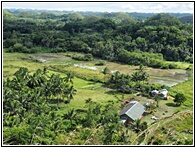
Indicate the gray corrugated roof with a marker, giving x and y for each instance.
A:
(134, 111)
(126, 109)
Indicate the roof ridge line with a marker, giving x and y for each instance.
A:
(132, 106)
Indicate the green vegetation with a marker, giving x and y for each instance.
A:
(101, 63)
(186, 19)
(179, 98)
(68, 75)
(185, 88)
(12, 62)
(87, 57)
(26, 105)
(116, 37)
(74, 114)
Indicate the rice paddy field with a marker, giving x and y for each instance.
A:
(169, 77)
(179, 80)
(89, 71)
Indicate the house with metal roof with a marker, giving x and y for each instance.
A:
(132, 112)
(163, 93)
(154, 92)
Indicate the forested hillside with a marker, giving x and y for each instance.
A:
(110, 36)
(68, 75)
(136, 15)
(186, 19)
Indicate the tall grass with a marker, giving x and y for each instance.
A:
(181, 65)
(13, 61)
(187, 89)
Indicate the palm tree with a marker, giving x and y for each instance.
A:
(71, 92)
(70, 115)
(69, 78)
(141, 68)
(106, 71)
(139, 76)
(22, 73)
(137, 125)
(21, 78)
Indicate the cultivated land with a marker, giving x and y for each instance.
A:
(85, 71)
(168, 77)
(61, 93)
(88, 70)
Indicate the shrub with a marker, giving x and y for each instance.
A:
(158, 142)
(58, 49)
(18, 47)
(87, 57)
(172, 66)
(165, 66)
(101, 63)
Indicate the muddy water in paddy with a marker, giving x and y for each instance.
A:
(169, 77)
(168, 82)
(50, 57)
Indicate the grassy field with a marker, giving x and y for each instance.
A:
(187, 89)
(181, 65)
(63, 60)
(99, 93)
(13, 61)
(88, 89)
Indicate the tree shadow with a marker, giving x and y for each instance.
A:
(112, 92)
(171, 104)
(95, 83)
(92, 83)
(81, 111)
(56, 101)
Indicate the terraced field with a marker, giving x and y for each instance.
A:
(169, 77)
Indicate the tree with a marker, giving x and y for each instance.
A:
(141, 43)
(88, 57)
(70, 115)
(69, 78)
(92, 116)
(69, 93)
(75, 16)
(28, 32)
(28, 117)
(18, 47)
(140, 75)
(179, 99)
(120, 82)
(106, 71)
(157, 99)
